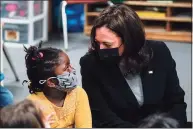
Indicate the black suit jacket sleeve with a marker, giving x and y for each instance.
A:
(174, 94)
(102, 115)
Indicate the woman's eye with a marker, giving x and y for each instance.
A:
(97, 42)
(107, 45)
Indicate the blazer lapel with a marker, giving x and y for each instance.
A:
(121, 86)
(146, 78)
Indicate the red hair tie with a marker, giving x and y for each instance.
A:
(39, 56)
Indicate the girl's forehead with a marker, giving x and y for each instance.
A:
(63, 58)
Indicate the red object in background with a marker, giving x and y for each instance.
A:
(22, 13)
(11, 7)
(84, 1)
(37, 8)
(2, 24)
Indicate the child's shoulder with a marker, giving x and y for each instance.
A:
(79, 90)
(38, 99)
(35, 96)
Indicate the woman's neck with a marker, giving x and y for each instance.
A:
(55, 96)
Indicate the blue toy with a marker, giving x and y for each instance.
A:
(6, 97)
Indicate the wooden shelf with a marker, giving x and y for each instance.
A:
(84, 1)
(173, 19)
(175, 4)
(179, 36)
(170, 36)
(93, 13)
(155, 29)
(154, 18)
(163, 28)
(179, 19)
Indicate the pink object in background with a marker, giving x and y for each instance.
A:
(11, 7)
(22, 13)
(37, 8)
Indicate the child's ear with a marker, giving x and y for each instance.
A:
(50, 83)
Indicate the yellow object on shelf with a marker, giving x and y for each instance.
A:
(151, 14)
(161, 1)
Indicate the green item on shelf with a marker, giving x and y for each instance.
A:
(117, 1)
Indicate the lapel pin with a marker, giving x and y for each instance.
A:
(150, 72)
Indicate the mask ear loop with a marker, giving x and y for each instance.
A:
(43, 81)
(26, 82)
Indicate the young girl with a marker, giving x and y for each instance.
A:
(23, 115)
(53, 86)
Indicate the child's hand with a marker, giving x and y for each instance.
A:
(49, 120)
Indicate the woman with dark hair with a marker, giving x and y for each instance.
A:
(22, 115)
(127, 77)
(53, 87)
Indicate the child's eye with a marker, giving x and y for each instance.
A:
(66, 67)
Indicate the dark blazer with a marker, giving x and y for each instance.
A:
(112, 102)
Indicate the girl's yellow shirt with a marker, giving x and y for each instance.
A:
(74, 113)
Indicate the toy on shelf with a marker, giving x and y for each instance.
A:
(14, 9)
(25, 22)
(15, 33)
(19, 9)
(38, 7)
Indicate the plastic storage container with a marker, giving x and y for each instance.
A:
(24, 22)
(38, 7)
(75, 17)
(14, 9)
(75, 23)
(38, 29)
(15, 33)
